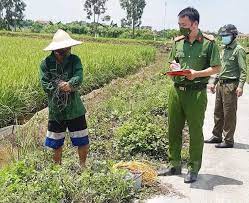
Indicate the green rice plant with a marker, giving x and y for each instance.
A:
(20, 90)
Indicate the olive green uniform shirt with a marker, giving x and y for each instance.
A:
(62, 106)
(234, 63)
(199, 55)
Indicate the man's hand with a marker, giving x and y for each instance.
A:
(192, 75)
(64, 86)
(239, 92)
(174, 66)
(212, 88)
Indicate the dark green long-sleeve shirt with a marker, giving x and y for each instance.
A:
(234, 63)
(62, 106)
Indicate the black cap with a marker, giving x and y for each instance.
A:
(228, 30)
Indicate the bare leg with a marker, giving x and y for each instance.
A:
(83, 151)
(57, 155)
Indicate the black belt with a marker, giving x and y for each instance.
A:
(227, 81)
(200, 86)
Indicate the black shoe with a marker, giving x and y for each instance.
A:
(170, 171)
(224, 145)
(190, 177)
(213, 140)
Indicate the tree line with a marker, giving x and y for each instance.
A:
(12, 18)
(12, 13)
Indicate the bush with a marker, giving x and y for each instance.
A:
(78, 29)
(142, 135)
(34, 179)
(139, 34)
(36, 28)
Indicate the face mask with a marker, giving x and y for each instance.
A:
(227, 39)
(185, 31)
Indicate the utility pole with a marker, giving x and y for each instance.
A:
(165, 26)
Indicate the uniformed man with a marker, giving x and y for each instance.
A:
(229, 86)
(199, 53)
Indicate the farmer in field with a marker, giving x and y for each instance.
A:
(228, 87)
(61, 75)
(199, 53)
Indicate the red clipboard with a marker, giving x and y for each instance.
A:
(178, 72)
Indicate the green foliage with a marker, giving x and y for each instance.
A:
(111, 32)
(34, 179)
(132, 116)
(134, 11)
(36, 27)
(77, 28)
(139, 34)
(102, 30)
(20, 90)
(11, 12)
(136, 117)
(169, 33)
(142, 136)
(95, 8)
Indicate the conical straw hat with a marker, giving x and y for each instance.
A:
(61, 40)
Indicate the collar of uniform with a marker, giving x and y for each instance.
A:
(199, 37)
(232, 45)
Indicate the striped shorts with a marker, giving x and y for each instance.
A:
(77, 129)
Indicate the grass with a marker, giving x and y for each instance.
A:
(20, 91)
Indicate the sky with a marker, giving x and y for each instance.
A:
(159, 14)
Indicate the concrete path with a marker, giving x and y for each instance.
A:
(224, 176)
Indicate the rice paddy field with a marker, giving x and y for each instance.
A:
(20, 90)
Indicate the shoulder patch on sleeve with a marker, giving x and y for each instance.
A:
(179, 38)
(209, 37)
(240, 47)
